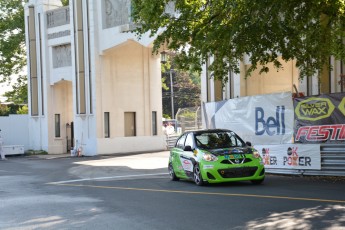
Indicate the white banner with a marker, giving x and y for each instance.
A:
(261, 119)
(291, 156)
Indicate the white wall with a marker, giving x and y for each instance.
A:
(14, 130)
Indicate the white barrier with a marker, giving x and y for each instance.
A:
(13, 149)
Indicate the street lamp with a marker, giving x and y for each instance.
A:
(164, 58)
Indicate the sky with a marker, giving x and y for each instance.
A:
(4, 87)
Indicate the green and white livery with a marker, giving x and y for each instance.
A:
(215, 156)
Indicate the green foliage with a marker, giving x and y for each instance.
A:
(35, 152)
(164, 84)
(186, 93)
(186, 86)
(188, 114)
(166, 116)
(4, 110)
(13, 108)
(19, 94)
(308, 31)
(12, 47)
(65, 2)
(12, 38)
(8, 109)
(23, 110)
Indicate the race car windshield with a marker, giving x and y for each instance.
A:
(217, 140)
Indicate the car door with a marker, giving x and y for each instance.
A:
(176, 153)
(187, 157)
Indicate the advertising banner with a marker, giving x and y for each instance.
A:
(261, 119)
(320, 119)
(291, 156)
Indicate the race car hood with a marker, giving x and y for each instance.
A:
(229, 151)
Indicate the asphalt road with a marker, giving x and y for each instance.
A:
(134, 192)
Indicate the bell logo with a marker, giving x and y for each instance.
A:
(271, 125)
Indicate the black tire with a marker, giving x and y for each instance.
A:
(172, 174)
(197, 175)
(258, 181)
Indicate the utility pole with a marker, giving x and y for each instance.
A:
(172, 95)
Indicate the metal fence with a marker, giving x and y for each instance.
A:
(189, 118)
(332, 161)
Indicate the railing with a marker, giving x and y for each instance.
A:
(171, 140)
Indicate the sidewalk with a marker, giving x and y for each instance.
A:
(65, 155)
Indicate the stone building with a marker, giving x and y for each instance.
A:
(92, 83)
(285, 80)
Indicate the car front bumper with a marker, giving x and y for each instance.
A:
(214, 172)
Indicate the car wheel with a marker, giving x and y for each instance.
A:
(197, 175)
(258, 181)
(172, 174)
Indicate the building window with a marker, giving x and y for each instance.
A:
(57, 125)
(130, 125)
(33, 62)
(106, 125)
(154, 123)
(218, 90)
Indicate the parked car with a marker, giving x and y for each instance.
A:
(214, 156)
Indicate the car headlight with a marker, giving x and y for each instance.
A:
(256, 154)
(209, 157)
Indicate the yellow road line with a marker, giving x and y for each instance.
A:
(204, 193)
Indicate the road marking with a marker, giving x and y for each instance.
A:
(203, 193)
(106, 178)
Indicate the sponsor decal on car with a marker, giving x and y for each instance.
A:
(208, 166)
(236, 151)
(187, 164)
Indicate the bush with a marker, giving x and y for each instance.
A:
(35, 152)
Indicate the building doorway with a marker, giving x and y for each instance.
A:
(70, 136)
(130, 129)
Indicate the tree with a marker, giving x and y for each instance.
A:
(187, 93)
(12, 47)
(308, 31)
(4, 110)
(23, 110)
(12, 38)
(19, 94)
(186, 87)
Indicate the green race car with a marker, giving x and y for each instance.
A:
(214, 156)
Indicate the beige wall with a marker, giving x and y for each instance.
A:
(272, 82)
(128, 83)
(60, 102)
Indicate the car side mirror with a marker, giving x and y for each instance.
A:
(188, 148)
(248, 143)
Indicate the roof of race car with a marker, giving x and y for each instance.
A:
(209, 131)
